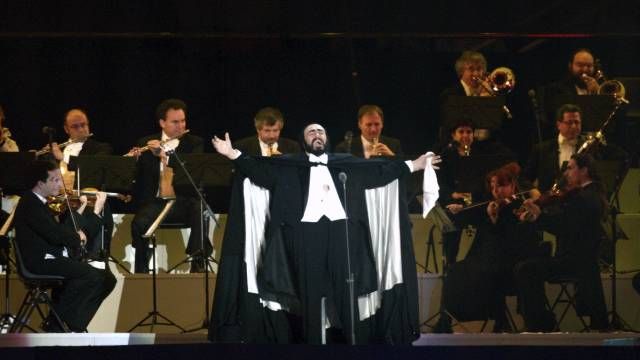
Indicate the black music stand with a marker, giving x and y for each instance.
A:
(195, 173)
(12, 181)
(615, 178)
(485, 112)
(154, 314)
(108, 173)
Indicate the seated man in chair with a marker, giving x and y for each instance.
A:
(46, 245)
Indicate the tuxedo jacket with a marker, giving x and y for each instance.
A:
(38, 233)
(251, 146)
(543, 163)
(148, 165)
(357, 150)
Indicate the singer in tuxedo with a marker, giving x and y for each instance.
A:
(371, 142)
(46, 247)
(285, 248)
(267, 142)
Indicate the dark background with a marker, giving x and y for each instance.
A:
(316, 61)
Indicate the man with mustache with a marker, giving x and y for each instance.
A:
(301, 264)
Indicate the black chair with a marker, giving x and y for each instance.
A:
(566, 296)
(37, 295)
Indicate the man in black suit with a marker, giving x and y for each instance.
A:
(581, 76)
(76, 126)
(269, 123)
(547, 158)
(45, 246)
(371, 142)
(303, 258)
(577, 223)
(172, 120)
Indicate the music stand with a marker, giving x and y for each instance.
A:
(595, 108)
(12, 181)
(207, 170)
(485, 112)
(108, 173)
(154, 314)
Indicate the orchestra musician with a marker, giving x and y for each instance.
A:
(47, 247)
(371, 142)
(576, 222)
(81, 142)
(152, 168)
(268, 142)
(7, 144)
(581, 76)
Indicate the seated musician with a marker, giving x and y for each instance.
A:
(76, 125)
(152, 167)
(268, 142)
(47, 246)
(577, 224)
(371, 142)
(475, 287)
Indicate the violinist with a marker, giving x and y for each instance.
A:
(476, 287)
(577, 224)
(46, 246)
(151, 167)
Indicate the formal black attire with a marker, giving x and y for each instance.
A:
(42, 241)
(543, 163)
(185, 210)
(251, 146)
(102, 241)
(302, 262)
(356, 148)
(577, 225)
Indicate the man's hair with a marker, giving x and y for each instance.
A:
(166, 105)
(366, 109)
(268, 116)
(38, 170)
(303, 143)
(64, 120)
(587, 161)
(470, 57)
(576, 51)
(567, 108)
(1, 115)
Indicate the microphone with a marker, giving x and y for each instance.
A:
(48, 130)
(342, 177)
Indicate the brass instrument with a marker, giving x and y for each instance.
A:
(500, 81)
(62, 146)
(609, 87)
(146, 148)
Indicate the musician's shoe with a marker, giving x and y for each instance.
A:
(142, 261)
(51, 325)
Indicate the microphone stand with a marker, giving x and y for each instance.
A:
(350, 278)
(208, 211)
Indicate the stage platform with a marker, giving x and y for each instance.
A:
(428, 346)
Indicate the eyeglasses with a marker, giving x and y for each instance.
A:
(571, 122)
(79, 126)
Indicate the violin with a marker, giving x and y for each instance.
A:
(553, 197)
(71, 198)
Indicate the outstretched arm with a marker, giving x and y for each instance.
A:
(258, 172)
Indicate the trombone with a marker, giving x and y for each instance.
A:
(500, 81)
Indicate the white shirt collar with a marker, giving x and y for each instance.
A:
(564, 141)
(43, 199)
(318, 159)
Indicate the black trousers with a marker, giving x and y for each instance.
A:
(530, 277)
(83, 291)
(185, 210)
(102, 240)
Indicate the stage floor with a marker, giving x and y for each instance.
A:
(524, 339)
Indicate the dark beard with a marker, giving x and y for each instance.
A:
(316, 152)
(577, 81)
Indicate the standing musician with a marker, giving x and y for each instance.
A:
(46, 246)
(371, 142)
(152, 168)
(577, 224)
(76, 126)
(268, 122)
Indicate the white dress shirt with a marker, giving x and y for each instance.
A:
(70, 150)
(566, 148)
(323, 197)
(264, 148)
